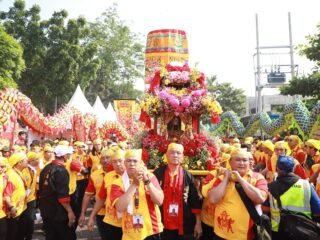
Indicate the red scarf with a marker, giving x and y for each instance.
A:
(178, 187)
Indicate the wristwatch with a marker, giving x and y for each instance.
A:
(146, 182)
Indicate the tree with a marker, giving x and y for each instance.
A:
(104, 57)
(58, 55)
(307, 85)
(230, 98)
(11, 61)
(121, 56)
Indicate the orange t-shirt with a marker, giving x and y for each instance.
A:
(111, 217)
(94, 185)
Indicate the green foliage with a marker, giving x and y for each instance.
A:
(312, 49)
(307, 86)
(230, 98)
(56, 53)
(11, 61)
(121, 56)
(104, 57)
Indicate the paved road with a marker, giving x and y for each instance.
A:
(82, 233)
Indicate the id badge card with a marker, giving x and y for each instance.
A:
(173, 210)
(137, 221)
(28, 192)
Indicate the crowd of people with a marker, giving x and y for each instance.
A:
(62, 178)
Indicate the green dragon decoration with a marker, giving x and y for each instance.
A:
(295, 115)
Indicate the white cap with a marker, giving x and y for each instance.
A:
(62, 150)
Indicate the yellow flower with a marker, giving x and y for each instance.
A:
(195, 74)
(163, 72)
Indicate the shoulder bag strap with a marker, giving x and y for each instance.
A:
(249, 204)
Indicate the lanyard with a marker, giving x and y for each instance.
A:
(32, 176)
(22, 178)
(136, 199)
(175, 186)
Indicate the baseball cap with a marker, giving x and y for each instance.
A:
(285, 163)
(62, 150)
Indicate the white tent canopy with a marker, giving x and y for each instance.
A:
(100, 111)
(111, 114)
(79, 101)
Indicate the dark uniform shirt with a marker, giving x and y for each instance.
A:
(53, 190)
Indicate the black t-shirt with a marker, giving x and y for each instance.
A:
(53, 185)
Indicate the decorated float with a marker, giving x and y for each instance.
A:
(175, 99)
(67, 122)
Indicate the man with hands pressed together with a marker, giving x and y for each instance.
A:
(232, 219)
(137, 195)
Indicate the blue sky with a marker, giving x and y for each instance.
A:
(221, 34)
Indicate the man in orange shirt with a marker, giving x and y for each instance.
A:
(232, 219)
(110, 221)
(268, 149)
(313, 155)
(297, 152)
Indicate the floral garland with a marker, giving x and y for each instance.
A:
(198, 151)
(170, 96)
(179, 101)
(175, 74)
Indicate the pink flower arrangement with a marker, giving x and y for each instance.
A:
(188, 102)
